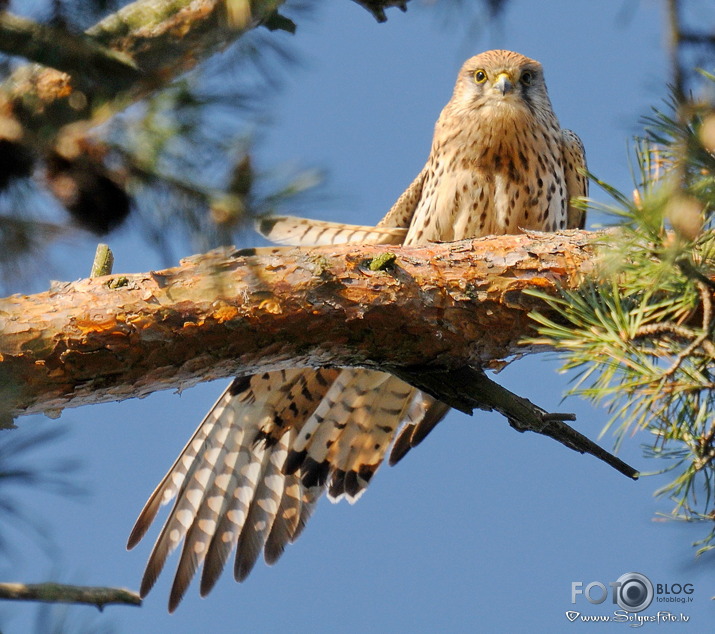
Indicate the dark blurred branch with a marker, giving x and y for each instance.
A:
(674, 45)
(161, 38)
(377, 7)
(469, 388)
(62, 50)
(60, 593)
(680, 38)
(697, 38)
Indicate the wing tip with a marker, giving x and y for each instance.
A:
(244, 565)
(402, 445)
(148, 581)
(209, 577)
(138, 531)
(273, 552)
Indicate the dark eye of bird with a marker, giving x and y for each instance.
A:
(480, 76)
(526, 78)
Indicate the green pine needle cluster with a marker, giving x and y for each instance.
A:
(639, 335)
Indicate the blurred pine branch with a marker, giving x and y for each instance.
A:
(640, 335)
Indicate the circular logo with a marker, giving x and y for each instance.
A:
(635, 593)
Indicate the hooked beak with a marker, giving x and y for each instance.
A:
(504, 83)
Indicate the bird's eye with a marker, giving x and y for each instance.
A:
(480, 76)
(527, 77)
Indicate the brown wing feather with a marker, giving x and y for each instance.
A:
(423, 416)
(251, 474)
(576, 179)
(401, 213)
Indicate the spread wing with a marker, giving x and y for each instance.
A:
(228, 482)
(273, 443)
(270, 447)
(576, 179)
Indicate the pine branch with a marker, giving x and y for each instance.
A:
(438, 307)
(60, 593)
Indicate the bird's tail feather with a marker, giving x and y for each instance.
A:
(291, 230)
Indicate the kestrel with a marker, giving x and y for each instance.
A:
(273, 443)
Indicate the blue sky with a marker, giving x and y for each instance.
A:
(481, 528)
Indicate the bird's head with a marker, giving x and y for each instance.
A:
(501, 79)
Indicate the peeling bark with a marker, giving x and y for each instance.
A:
(438, 307)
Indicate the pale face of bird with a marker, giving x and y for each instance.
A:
(501, 80)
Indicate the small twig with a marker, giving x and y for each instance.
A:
(705, 449)
(691, 37)
(707, 307)
(683, 332)
(703, 461)
(60, 593)
(707, 439)
(677, 331)
(558, 417)
(687, 268)
(665, 327)
(701, 338)
(103, 261)
(470, 388)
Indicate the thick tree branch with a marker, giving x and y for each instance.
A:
(61, 593)
(435, 307)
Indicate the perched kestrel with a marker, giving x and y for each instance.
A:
(273, 443)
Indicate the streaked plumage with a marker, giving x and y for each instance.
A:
(274, 443)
